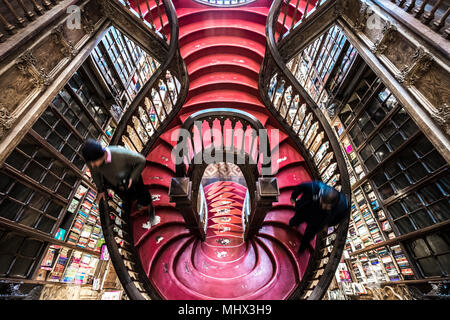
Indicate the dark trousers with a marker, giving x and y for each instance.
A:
(302, 209)
(306, 211)
(310, 231)
(138, 191)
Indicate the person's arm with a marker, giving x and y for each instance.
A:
(301, 188)
(137, 163)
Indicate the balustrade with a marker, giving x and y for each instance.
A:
(433, 13)
(289, 15)
(17, 14)
(224, 135)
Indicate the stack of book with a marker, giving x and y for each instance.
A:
(60, 265)
(83, 270)
(72, 268)
(402, 262)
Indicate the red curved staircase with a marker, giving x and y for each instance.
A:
(223, 49)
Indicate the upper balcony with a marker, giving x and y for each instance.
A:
(21, 20)
(432, 13)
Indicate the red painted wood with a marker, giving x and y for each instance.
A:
(223, 49)
(162, 154)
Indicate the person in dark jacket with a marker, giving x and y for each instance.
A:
(119, 169)
(320, 206)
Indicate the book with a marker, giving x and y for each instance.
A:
(385, 226)
(47, 262)
(81, 191)
(73, 205)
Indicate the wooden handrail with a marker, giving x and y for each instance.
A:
(434, 14)
(19, 14)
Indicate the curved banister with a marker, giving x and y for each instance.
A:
(138, 131)
(315, 139)
(238, 154)
(141, 128)
(117, 233)
(234, 116)
(224, 113)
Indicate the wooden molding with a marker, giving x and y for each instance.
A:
(30, 80)
(407, 65)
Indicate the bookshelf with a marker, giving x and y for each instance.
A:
(368, 225)
(80, 227)
(85, 230)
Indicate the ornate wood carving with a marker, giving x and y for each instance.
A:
(421, 62)
(401, 52)
(29, 63)
(406, 57)
(432, 80)
(107, 8)
(72, 36)
(353, 10)
(40, 61)
(88, 25)
(6, 120)
(17, 82)
(361, 19)
(442, 117)
(67, 48)
(388, 35)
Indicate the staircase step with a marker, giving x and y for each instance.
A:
(167, 216)
(162, 154)
(160, 197)
(286, 155)
(227, 56)
(292, 176)
(157, 175)
(227, 38)
(224, 288)
(220, 18)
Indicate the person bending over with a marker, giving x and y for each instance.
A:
(119, 169)
(320, 206)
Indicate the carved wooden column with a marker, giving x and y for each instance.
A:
(266, 193)
(5, 120)
(180, 192)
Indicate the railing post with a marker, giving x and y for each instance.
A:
(180, 192)
(266, 193)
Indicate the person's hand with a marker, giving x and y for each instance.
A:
(292, 201)
(100, 196)
(130, 182)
